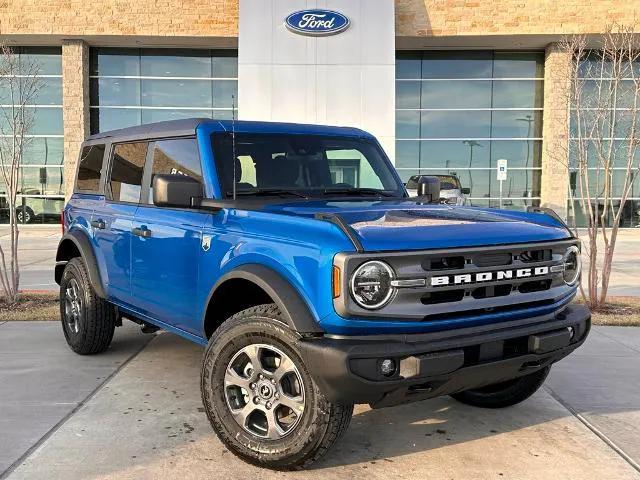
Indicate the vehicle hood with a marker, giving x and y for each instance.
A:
(408, 225)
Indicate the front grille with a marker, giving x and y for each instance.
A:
(464, 282)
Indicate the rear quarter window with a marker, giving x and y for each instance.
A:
(90, 168)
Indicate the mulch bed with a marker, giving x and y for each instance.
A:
(622, 311)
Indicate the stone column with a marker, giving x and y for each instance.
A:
(555, 130)
(75, 105)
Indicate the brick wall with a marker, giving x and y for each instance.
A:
(555, 129)
(510, 17)
(120, 17)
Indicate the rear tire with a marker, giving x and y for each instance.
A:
(504, 394)
(25, 216)
(248, 404)
(88, 321)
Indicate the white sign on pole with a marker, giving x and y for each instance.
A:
(501, 173)
(502, 170)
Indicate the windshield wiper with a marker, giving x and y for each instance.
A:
(268, 191)
(358, 191)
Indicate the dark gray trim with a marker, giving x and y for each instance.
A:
(294, 309)
(151, 131)
(82, 243)
(344, 226)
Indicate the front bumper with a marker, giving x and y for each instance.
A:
(441, 363)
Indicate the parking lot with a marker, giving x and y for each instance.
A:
(135, 412)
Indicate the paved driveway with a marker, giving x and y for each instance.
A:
(146, 421)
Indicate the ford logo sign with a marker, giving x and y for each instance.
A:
(316, 22)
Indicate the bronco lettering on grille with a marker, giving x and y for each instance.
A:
(496, 275)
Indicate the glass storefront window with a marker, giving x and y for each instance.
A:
(595, 115)
(133, 86)
(41, 175)
(460, 111)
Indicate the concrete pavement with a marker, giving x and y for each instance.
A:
(147, 422)
(42, 382)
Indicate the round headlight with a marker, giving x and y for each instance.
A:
(371, 284)
(572, 265)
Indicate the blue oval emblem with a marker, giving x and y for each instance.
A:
(317, 22)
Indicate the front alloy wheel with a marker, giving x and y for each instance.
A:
(73, 306)
(260, 396)
(264, 391)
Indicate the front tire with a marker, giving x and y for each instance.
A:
(88, 321)
(260, 397)
(504, 394)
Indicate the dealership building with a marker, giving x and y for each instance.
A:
(447, 86)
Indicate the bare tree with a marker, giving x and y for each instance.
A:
(603, 103)
(19, 87)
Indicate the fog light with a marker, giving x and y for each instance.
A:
(387, 367)
(572, 332)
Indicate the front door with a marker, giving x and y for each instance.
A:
(166, 243)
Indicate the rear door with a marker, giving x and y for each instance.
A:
(166, 251)
(113, 221)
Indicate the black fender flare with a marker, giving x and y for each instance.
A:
(294, 309)
(83, 245)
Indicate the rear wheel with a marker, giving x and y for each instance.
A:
(88, 321)
(504, 394)
(25, 215)
(260, 397)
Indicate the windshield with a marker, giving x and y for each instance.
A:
(302, 166)
(447, 182)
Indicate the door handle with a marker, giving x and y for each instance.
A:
(142, 231)
(98, 224)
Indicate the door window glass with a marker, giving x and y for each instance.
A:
(176, 156)
(90, 167)
(126, 171)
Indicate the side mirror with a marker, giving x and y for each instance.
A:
(465, 191)
(174, 190)
(429, 189)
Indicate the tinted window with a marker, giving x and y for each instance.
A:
(126, 171)
(89, 168)
(179, 156)
(309, 165)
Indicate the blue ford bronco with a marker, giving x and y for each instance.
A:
(294, 255)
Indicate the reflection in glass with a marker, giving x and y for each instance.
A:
(459, 94)
(456, 124)
(457, 64)
(43, 151)
(115, 61)
(168, 62)
(105, 119)
(34, 210)
(185, 83)
(41, 181)
(115, 91)
(517, 94)
(463, 101)
(516, 124)
(176, 93)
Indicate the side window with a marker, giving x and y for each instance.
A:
(89, 168)
(175, 156)
(127, 166)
